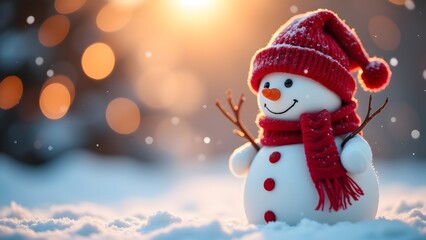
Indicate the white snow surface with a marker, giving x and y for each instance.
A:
(81, 197)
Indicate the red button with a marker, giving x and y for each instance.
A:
(269, 216)
(269, 184)
(274, 157)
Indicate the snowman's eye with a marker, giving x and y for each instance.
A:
(266, 85)
(288, 83)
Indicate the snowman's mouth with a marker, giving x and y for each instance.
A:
(294, 103)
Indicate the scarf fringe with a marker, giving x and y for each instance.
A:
(317, 131)
(339, 192)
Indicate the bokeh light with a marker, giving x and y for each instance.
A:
(67, 6)
(177, 92)
(123, 115)
(173, 58)
(50, 73)
(148, 88)
(177, 141)
(39, 61)
(11, 90)
(175, 120)
(98, 61)
(393, 62)
(113, 17)
(149, 140)
(409, 4)
(55, 101)
(65, 81)
(415, 134)
(294, 9)
(53, 30)
(30, 20)
(384, 33)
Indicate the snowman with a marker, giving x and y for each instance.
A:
(305, 93)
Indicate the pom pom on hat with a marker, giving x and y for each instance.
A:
(375, 75)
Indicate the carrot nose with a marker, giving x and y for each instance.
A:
(272, 94)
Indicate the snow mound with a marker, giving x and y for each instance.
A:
(78, 198)
(408, 223)
(159, 220)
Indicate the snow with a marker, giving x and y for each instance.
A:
(149, 140)
(415, 134)
(409, 4)
(159, 220)
(50, 73)
(294, 9)
(393, 62)
(175, 121)
(39, 61)
(78, 196)
(30, 20)
(148, 54)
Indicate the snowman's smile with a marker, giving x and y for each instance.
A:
(294, 103)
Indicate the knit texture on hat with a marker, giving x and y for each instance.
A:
(319, 45)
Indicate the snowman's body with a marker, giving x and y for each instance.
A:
(278, 180)
(294, 196)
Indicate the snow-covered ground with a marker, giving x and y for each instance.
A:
(80, 196)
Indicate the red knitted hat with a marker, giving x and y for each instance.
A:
(319, 45)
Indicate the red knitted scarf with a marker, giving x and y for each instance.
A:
(317, 131)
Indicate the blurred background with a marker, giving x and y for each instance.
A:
(139, 78)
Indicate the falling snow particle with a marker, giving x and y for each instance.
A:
(294, 9)
(393, 61)
(149, 140)
(206, 140)
(39, 61)
(205, 106)
(97, 144)
(201, 157)
(15, 142)
(424, 74)
(50, 73)
(30, 19)
(415, 134)
(50, 148)
(409, 4)
(148, 54)
(175, 121)
(393, 119)
(305, 71)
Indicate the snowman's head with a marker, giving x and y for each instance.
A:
(286, 96)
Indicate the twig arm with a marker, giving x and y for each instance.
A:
(242, 131)
(367, 119)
